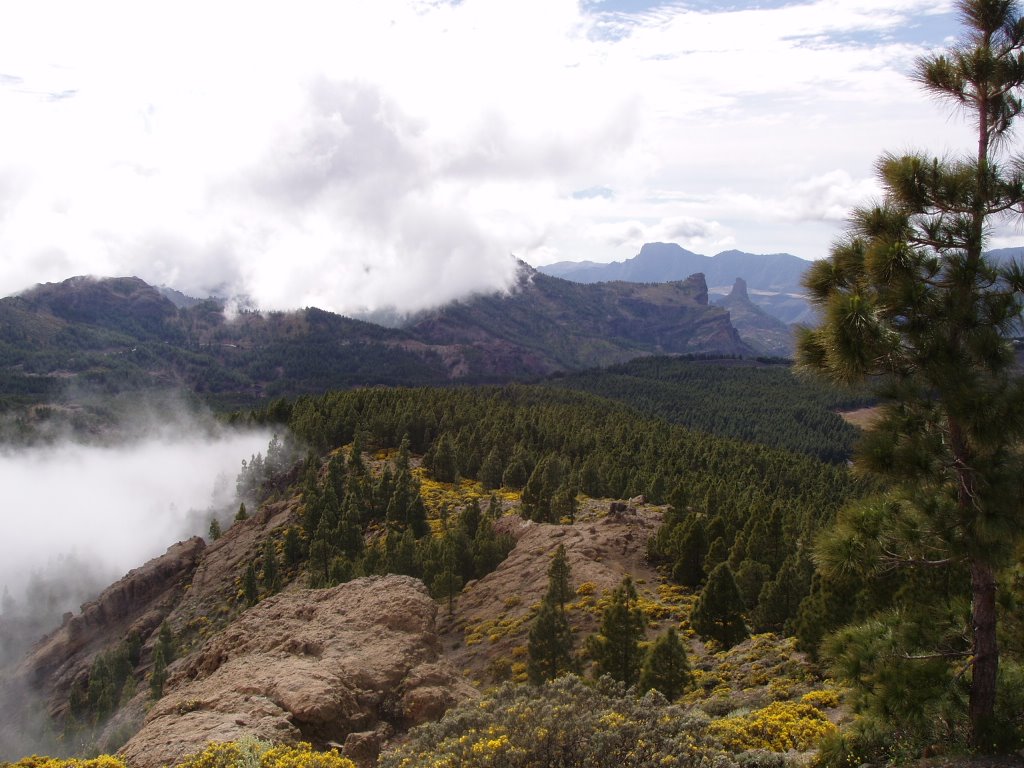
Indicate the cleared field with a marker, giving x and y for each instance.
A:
(862, 418)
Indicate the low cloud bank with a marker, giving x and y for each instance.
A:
(77, 517)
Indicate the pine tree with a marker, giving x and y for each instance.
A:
(250, 585)
(691, 548)
(540, 489)
(271, 575)
(550, 644)
(292, 546)
(910, 300)
(780, 597)
(241, 514)
(101, 689)
(492, 469)
(488, 548)
(470, 517)
(341, 570)
(718, 613)
(751, 578)
(666, 668)
(441, 460)
(616, 647)
(447, 583)
(165, 641)
(215, 532)
(563, 503)
(559, 589)
(516, 472)
(321, 551)
(158, 677)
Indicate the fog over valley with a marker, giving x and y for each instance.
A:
(78, 516)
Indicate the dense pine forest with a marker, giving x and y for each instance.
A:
(758, 508)
(754, 401)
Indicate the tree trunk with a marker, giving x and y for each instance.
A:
(985, 664)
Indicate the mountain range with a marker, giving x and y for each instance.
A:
(120, 334)
(772, 279)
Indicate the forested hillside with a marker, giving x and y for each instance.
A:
(758, 402)
(757, 507)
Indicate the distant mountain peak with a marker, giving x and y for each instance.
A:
(739, 289)
(697, 284)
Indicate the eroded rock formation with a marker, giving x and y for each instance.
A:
(352, 663)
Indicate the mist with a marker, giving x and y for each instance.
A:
(79, 516)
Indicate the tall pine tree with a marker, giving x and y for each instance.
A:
(666, 668)
(550, 641)
(910, 300)
(718, 613)
(616, 647)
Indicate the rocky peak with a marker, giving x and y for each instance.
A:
(739, 290)
(697, 285)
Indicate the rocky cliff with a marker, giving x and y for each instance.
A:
(766, 334)
(354, 665)
(347, 665)
(139, 602)
(546, 324)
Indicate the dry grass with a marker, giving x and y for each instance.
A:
(862, 418)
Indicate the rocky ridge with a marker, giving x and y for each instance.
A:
(348, 665)
(139, 603)
(353, 666)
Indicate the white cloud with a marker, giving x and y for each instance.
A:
(114, 507)
(358, 155)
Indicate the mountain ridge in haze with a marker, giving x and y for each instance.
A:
(119, 334)
(661, 262)
(773, 279)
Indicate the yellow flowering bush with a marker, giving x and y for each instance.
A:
(500, 627)
(586, 588)
(225, 754)
(252, 753)
(565, 722)
(302, 755)
(436, 494)
(826, 698)
(779, 727)
(40, 761)
(759, 670)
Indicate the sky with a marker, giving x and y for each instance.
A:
(358, 156)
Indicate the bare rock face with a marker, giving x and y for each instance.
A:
(139, 602)
(347, 664)
(600, 548)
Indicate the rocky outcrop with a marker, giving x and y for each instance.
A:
(139, 602)
(492, 615)
(764, 333)
(347, 665)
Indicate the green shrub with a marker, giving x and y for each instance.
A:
(565, 722)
